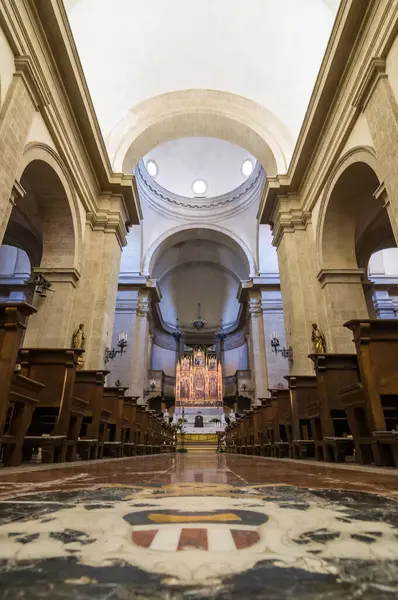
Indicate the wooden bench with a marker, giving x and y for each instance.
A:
(57, 418)
(23, 398)
(280, 435)
(328, 415)
(117, 423)
(376, 342)
(303, 394)
(130, 414)
(89, 385)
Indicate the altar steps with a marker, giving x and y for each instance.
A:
(201, 446)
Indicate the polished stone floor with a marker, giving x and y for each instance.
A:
(198, 526)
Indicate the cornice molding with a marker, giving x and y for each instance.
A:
(59, 274)
(183, 208)
(289, 221)
(337, 276)
(34, 80)
(374, 73)
(108, 222)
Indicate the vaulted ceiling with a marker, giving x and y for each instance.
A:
(267, 52)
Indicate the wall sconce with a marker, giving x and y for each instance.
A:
(245, 388)
(42, 286)
(151, 388)
(122, 345)
(285, 352)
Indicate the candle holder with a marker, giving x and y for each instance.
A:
(284, 352)
(122, 345)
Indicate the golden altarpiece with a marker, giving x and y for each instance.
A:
(199, 387)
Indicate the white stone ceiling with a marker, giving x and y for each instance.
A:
(265, 51)
(200, 270)
(182, 161)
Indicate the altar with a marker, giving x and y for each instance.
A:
(199, 393)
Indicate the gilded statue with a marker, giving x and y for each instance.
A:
(79, 337)
(79, 342)
(318, 340)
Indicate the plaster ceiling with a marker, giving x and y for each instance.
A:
(182, 161)
(266, 51)
(205, 271)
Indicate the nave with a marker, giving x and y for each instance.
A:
(199, 525)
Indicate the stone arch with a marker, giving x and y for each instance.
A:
(204, 113)
(352, 218)
(170, 237)
(44, 176)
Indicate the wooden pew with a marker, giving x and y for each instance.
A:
(117, 423)
(13, 316)
(23, 398)
(333, 439)
(57, 418)
(376, 342)
(89, 385)
(303, 394)
(280, 435)
(266, 427)
(141, 438)
(130, 414)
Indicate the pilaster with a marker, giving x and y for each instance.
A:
(376, 99)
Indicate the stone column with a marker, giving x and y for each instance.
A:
(376, 99)
(139, 364)
(49, 327)
(271, 302)
(344, 299)
(95, 301)
(294, 239)
(384, 304)
(258, 352)
(17, 112)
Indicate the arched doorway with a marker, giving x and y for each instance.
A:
(353, 224)
(44, 224)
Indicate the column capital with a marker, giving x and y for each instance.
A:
(255, 307)
(289, 221)
(333, 276)
(59, 274)
(144, 302)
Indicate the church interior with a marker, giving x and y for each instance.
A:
(198, 299)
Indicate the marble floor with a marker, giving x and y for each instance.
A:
(198, 526)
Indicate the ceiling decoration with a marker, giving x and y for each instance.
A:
(193, 209)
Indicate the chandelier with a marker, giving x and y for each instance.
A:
(199, 323)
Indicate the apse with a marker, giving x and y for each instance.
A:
(200, 270)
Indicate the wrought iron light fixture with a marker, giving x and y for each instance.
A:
(199, 323)
(284, 352)
(42, 286)
(122, 345)
(177, 333)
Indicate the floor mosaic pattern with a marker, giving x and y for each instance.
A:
(198, 526)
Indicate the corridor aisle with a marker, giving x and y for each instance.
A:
(198, 526)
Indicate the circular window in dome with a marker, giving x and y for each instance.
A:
(152, 168)
(247, 167)
(199, 187)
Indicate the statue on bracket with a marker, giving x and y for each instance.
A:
(79, 343)
(318, 340)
